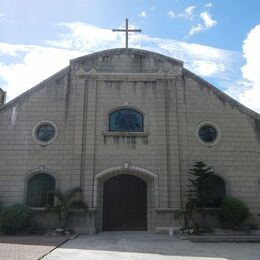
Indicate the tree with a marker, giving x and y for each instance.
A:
(66, 201)
(200, 191)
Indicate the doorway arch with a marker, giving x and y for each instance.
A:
(149, 177)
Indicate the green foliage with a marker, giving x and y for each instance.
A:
(15, 219)
(199, 190)
(234, 211)
(66, 201)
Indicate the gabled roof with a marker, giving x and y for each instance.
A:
(42, 84)
(223, 96)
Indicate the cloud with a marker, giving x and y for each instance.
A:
(31, 64)
(250, 71)
(208, 5)
(207, 68)
(84, 36)
(187, 13)
(34, 64)
(207, 23)
(172, 14)
(143, 14)
(1, 16)
(195, 29)
(89, 39)
(204, 20)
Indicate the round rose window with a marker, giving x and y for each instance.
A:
(45, 132)
(207, 133)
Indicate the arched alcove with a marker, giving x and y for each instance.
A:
(40, 188)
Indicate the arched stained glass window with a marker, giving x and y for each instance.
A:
(126, 120)
(40, 188)
(214, 186)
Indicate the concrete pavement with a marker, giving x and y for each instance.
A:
(132, 245)
(28, 247)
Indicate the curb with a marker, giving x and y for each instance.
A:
(66, 240)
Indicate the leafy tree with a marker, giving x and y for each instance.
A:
(66, 201)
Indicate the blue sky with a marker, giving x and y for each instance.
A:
(217, 40)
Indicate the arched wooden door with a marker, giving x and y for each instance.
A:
(124, 203)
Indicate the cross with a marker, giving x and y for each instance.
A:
(126, 30)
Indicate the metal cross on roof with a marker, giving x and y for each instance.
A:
(126, 30)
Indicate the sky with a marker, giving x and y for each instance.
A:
(218, 40)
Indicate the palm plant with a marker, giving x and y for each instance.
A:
(67, 201)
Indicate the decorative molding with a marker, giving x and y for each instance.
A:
(129, 51)
(91, 72)
(81, 73)
(126, 134)
(148, 76)
(126, 165)
(41, 169)
(126, 168)
(162, 210)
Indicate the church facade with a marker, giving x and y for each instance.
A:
(126, 125)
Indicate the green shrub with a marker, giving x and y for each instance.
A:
(234, 211)
(15, 219)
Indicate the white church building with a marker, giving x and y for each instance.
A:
(126, 125)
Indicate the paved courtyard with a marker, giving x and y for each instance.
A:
(27, 247)
(143, 245)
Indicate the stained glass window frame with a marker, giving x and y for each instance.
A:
(137, 113)
(210, 124)
(38, 126)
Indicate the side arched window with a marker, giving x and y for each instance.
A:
(40, 188)
(214, 187)
(126, 120)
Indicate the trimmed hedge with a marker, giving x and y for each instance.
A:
(15, 219)
(234, 211)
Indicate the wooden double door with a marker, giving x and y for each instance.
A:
(124, 203)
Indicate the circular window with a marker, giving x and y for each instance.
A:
(208, 133)
(45, 132)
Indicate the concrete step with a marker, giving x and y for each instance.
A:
(243, 238)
